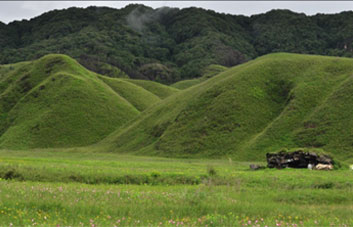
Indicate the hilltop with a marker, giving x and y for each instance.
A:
(278, 100)
(169, 44)
(55, 102)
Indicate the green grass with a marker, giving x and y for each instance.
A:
(278, 100)
(183, 84)
(273, 102)
(161, 90)
(233, 196)
(55, 102)
(209, 72)
(140, 98)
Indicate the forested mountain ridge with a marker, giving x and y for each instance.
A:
(170, 44)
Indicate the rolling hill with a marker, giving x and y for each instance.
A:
(275, 101)
(55, 102)
(160, 90)
(209, 72)
(278, 100)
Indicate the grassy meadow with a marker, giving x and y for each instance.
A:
(204, 131)
(75, 188)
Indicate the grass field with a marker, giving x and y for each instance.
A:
(237, 114)
(71, 188)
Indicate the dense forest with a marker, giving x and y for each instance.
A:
(170, 44)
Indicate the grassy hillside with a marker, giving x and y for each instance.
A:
(162, 91)
(55, 102)
(209, 72)
(183, 84)
(279, 100)
(136, 95)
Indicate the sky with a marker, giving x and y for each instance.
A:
(18, 10)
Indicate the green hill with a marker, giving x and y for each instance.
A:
(162, 91)
(209, 72)
(184, 84)
(55, 102)
(278, 100)
(137, 96)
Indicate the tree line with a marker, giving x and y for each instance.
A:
(170, 44)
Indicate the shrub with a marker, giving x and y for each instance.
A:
(211, 171)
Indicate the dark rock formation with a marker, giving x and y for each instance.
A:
(296, 159)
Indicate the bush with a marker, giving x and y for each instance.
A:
(211, 171)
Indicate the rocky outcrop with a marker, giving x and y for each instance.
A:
(297, 159)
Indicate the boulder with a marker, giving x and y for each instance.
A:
(296, 159)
